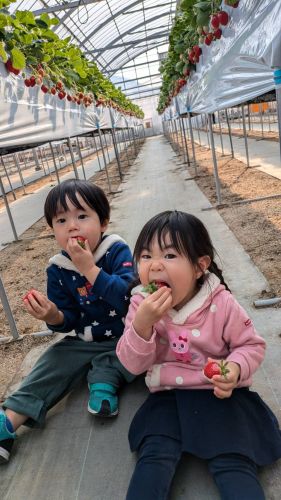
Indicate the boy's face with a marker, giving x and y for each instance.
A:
(76, 222)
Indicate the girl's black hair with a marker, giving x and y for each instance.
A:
(93, 196)
(188, 236)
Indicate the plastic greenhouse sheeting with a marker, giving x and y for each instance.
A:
(240, 65)
(28, 116)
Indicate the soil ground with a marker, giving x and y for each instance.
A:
(257, 225)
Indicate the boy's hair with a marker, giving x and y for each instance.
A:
(187, 233)
(93, 196)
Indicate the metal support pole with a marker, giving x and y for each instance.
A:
(19, 171)
(8, 210)
(125, 146)
(277, 80)
(116, 152)
(8, 311)
(216, 175)
(198, 131)
(81, 157)
(219, 122)
(229, 133)
(207, 131)
(7, 175)
(185, 142)
(98, 156)
(192, 141)
(261, 118)
(249, 116)
(245, 135)
(105, 164)
(54, 161)
(36, 161)
(72, 158)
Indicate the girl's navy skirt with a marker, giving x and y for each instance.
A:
(208, 426)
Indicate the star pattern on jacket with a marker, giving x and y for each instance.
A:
(112, 313)
(108, 333)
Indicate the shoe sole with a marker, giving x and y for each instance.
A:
(4, 456)
(97, 414)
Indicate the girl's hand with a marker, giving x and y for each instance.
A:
(223, 387)
(40, 307)
(151, 310)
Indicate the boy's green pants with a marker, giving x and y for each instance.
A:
(60, 369)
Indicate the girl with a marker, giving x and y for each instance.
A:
(86, 288)
(191, 319)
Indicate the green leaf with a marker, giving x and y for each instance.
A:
(18, 58)
(41, 24)
(3, 53)
(45, 19)
(25, 17)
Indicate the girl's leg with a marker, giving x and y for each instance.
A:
(236, 477)
(155, 468)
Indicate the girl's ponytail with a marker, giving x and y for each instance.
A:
(213, 268)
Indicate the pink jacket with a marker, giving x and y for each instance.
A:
(212, 324)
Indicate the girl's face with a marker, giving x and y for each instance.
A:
(168, 267)
(76, 222)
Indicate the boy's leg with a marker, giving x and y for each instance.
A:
(236, 477)
(155, 468)
(106, 376)
(59, 369)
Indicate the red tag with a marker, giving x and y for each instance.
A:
(248, 322)
(127, 264)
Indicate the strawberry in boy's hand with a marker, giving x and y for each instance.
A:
(28, 294)
(216, 368)
(81, 241)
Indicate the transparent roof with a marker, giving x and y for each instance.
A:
(125, 38)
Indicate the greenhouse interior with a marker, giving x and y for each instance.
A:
(128, 131)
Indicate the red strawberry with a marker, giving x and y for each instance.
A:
(217, 34)
(215, 368)
(28, 294)
(81, 241)
(215, 22)
(27, 82)
(10, 68)
(208, 39)
(223, 17)
(44, 89)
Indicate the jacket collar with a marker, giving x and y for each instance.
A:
(209, 287)
(64, 261)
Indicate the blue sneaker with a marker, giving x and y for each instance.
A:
(103, 400)
(6, 440)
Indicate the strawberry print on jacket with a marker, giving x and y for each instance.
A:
(214, 326)
(96, 312)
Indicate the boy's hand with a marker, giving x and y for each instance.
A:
(83, 259)
(40, 307)
(151, 310)
(223, 386)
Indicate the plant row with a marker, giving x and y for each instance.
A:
(31, 50)
(196, 24)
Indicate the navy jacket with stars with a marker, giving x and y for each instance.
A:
(96, 312)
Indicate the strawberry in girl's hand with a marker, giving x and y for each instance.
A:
(81, 241)
(153, 286)
(216, 368)
(150, 288)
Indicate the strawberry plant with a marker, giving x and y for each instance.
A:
(196, 23)
(52, 63)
